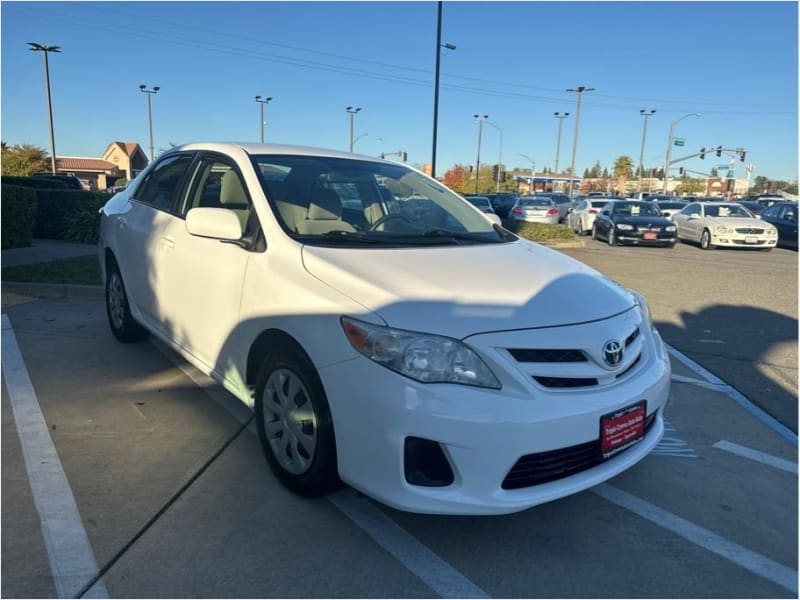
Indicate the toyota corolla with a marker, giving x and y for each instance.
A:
(386, 333)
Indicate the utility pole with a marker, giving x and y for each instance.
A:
(142, 88)
(669, 146)
(645, 113)
(480, 120)
(500, 160)
(262, 102)
(560, 117)
(579, 90)
(439, 47)
(34, 47)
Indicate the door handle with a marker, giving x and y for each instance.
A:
(122, 222)
(167, 242)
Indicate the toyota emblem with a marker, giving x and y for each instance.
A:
(612, 353)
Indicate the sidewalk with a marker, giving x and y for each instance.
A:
(46, 251)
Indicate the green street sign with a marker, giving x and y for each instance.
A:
(679, 142)
(723, 167)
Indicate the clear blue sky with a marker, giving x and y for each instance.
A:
(734, 62)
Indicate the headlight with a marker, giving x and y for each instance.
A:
(624, 227)
(772, 232)
(643, 307)
(669, 228)
(723, 229)
(423, 357)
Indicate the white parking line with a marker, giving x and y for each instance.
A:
(747, 559)
(434, 571)
(762, 457)
(71, 557)
(736, 396)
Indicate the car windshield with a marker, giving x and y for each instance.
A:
(671, 204)
(726, 210)
(534, 202)
(341, 201)
(636, 209)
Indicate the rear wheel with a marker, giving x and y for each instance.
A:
(594, 232)
(294, 423)
(123, 325)
(705, 240)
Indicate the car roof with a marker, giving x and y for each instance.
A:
(253, 148)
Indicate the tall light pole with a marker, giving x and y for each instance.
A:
(143, 88)
(533, 170)
(439, 47)
(579, 90)
(669, 146)
(34, 47)
(645, 113)
(500, 160)
(480, 120)
(560, 116)
(352, 112)
(262, 102)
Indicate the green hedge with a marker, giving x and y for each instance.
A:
(539, 232)
(17, 213)
(40, 183)
(69, 215)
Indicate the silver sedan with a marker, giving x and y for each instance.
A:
(535, 209)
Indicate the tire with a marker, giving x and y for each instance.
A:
(612, 240)
(291, 406)
(671, 246)
(582, 228)
(124, 327)
(705, 240)
(594, 232)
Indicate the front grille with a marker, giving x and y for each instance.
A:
(743, 243)
(565, 382)
(631, 337)
(633, 364)
(526, 355)
(750, 230)
(542, 467)
(649, 228)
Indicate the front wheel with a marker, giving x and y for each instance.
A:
(705, 240)
(294, 423)
(612, 239)
(124, 327)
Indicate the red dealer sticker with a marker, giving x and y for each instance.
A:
(622, 429)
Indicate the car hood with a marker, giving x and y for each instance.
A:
(646, 220)
(736, 222)
(459, 291)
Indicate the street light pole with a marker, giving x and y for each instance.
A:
(480, 120)
(143, 88)
(500, 160)
(645, 113)
(262, 102)
(579, 90)
(533, 170)
(352, 112)
(439, 47)
(34, 47)
(669, 146)
(560, 117)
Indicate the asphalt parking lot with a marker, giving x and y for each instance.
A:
(141, 478)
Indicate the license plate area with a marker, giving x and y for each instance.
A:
(622, 428)
(649, 235)
(750, 240)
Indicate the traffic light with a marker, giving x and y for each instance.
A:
(502, 176)
(405, 156)
(495, 172)
(680, 171)
(383, 156)
(741, 156)
(703, 152)
(719, 150)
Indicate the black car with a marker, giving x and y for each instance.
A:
(784, 216)
(633, 222)
(502, 203)
(753, 206)
(70, 181)
(670, 207)
(480, 202)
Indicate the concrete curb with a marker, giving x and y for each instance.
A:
(54, 290)
(564, 243)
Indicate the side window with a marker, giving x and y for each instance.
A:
(769, 212)
(216, 184)
(789, 213)
(692, 210)
(164, 183)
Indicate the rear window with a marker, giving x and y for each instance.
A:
(599, 203)
(536, 202)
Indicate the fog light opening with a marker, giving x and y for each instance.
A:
(425, 463)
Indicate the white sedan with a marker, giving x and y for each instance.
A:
(713, 224)
(430, 358)
(581, 218)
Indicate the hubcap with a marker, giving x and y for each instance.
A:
(116, 300)
(289, 421)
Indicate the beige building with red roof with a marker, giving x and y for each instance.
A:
(121, 160)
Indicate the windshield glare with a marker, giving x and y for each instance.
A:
(636, 209)
(323, 198)
(731, 210)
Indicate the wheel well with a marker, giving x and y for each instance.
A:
(266, 341)
(110, 258)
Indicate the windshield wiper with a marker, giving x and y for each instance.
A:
(458, 235)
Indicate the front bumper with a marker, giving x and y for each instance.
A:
(633, 237)
(737, 240)
(482, 432)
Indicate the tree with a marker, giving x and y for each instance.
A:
(454, 177)
(605, 173)
(623, 169)
(23, 160)
(691, 186)
(714, 172)
(586, 174)
(595, 171)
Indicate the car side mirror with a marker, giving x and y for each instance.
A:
(569, 210)
(215, 223)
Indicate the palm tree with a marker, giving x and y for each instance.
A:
(623, 169)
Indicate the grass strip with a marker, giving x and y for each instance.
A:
(84, 270)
